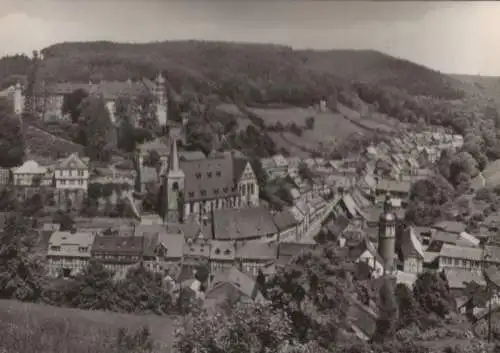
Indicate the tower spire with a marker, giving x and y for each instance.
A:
(173, 158)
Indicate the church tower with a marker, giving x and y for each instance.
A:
(173, 187)
(387, 236)
(161, 100)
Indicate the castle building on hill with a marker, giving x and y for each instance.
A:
(195, 187)
(49, 97)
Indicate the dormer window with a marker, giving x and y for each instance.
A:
(227, 252)
(203, 192)
(198, 175)
(218, 173)
(209, 174)
(216, 191)
(217, 251)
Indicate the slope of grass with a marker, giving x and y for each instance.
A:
(31, 328)
(45, 144)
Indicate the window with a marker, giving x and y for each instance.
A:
(191, 194)
(217, 251)
(55, 248)
(203, 192)
(63, 182)
(227, 252)
(209, 174)
(218, 173)
(80, 182)
(198, 175)
(216, 191)
(225, 190)
(81, 173)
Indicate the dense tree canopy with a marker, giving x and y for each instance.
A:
(12, 144)
(98, 129)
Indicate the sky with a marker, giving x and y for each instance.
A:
(452, 37)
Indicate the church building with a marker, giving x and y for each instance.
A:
(195, 187)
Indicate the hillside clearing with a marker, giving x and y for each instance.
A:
(31, 328)
(42, 143)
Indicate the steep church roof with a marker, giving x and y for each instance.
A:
(410, 244)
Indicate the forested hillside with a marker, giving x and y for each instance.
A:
(264, 75)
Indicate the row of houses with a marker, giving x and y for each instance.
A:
(162, 249)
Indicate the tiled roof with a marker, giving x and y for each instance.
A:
(209, 178)
(459, 277)
(118, 245)
(30, 167)
(72, 162)
(222, 250)
(410, 244)
(257, 250)
(394, 186)
(173, 242)
(191, 155)
(160, 145)
(243, 283)
(461, 252)
(285, 219)
(79, 239)
(450, 226)
(243, 223)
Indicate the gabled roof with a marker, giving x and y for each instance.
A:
(73, 241)
(245, 285)
(458, 278)
(29, 167)
(244, 223)
(222, 250)
(118, 245)
(257, 250)
(461, 252)
(209, 178)
(173, 242)
(410, 244)
(71, 162)
(160, 145)
(285, 219)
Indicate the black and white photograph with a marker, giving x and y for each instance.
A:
(283, 176)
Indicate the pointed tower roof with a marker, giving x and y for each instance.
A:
(160, 79)
(173, 160)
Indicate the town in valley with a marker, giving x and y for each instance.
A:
(246, 206)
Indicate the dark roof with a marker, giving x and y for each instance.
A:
(450, 226)
(243, 223)
(118, 245)
(209, 178)
(365, 244)
(285, 220)
(257, 250)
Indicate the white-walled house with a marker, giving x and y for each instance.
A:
(31, 174)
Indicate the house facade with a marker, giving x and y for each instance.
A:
(68, 253)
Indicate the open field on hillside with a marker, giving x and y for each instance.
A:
(282, 143)
(30, 328)
(42, 143)
(376, 121)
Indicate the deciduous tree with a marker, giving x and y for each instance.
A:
(21, 269)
